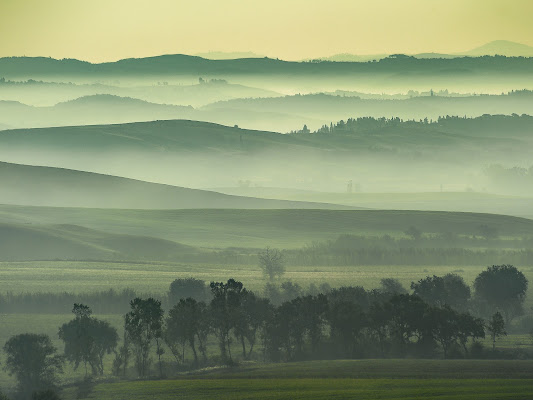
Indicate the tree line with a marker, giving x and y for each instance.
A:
(439, 318)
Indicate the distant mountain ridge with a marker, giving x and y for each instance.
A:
(502, 48)
(496, 47)
(179, 64)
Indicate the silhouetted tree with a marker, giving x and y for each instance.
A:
(271, 262)
(450, 290)
(87, 340)
(252, 314)
(314, 309)
(224, 309)
(392, 286)
(144, 325)
(496, 328)
(502, 287)
(183, 288)
(469, 328)
(183, 325)
(346, 320)
(33, 360)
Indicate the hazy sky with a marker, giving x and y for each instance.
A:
(100, 30)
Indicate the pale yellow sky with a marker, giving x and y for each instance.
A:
(105, 30)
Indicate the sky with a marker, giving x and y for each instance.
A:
(108, 30)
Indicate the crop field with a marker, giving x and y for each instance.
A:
(85, 276)
(342, 379)
(291, 389)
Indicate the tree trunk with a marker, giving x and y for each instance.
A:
(243, 346)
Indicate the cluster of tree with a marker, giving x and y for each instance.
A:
(513, 179)
(343, 322)
(439, 317)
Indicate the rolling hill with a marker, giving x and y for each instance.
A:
(46, 94)
(103, 109)
(381, 155)
(219, 228)
(57, 187)
(70, 242)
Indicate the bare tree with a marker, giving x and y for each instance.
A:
(272, 263)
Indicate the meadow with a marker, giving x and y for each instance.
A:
(328, 388)
(339, 379)
(155, 278)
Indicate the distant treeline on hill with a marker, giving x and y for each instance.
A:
(478, 125)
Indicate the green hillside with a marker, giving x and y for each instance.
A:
(442, 201)
(71, 242)
(46, 186)
(189, 136)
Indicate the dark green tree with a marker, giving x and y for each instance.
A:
(32, 359)
(496, 328)
(449, 290)
(392, 286)
(87, 340)
(183, 326)
(144, 325)
(183, 288)
(253, 312)
(470, 328)
(503, 288)
(225, 312)
(346, 320)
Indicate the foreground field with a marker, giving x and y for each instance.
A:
(341, 379)
(313, 389)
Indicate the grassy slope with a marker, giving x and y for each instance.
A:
(259, 228)
(193, 136)
(443, 201)
(51, 242)
(46, 186)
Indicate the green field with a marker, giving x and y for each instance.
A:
(212, 228)
(83, 277)
(341, 379)
(313, 389)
